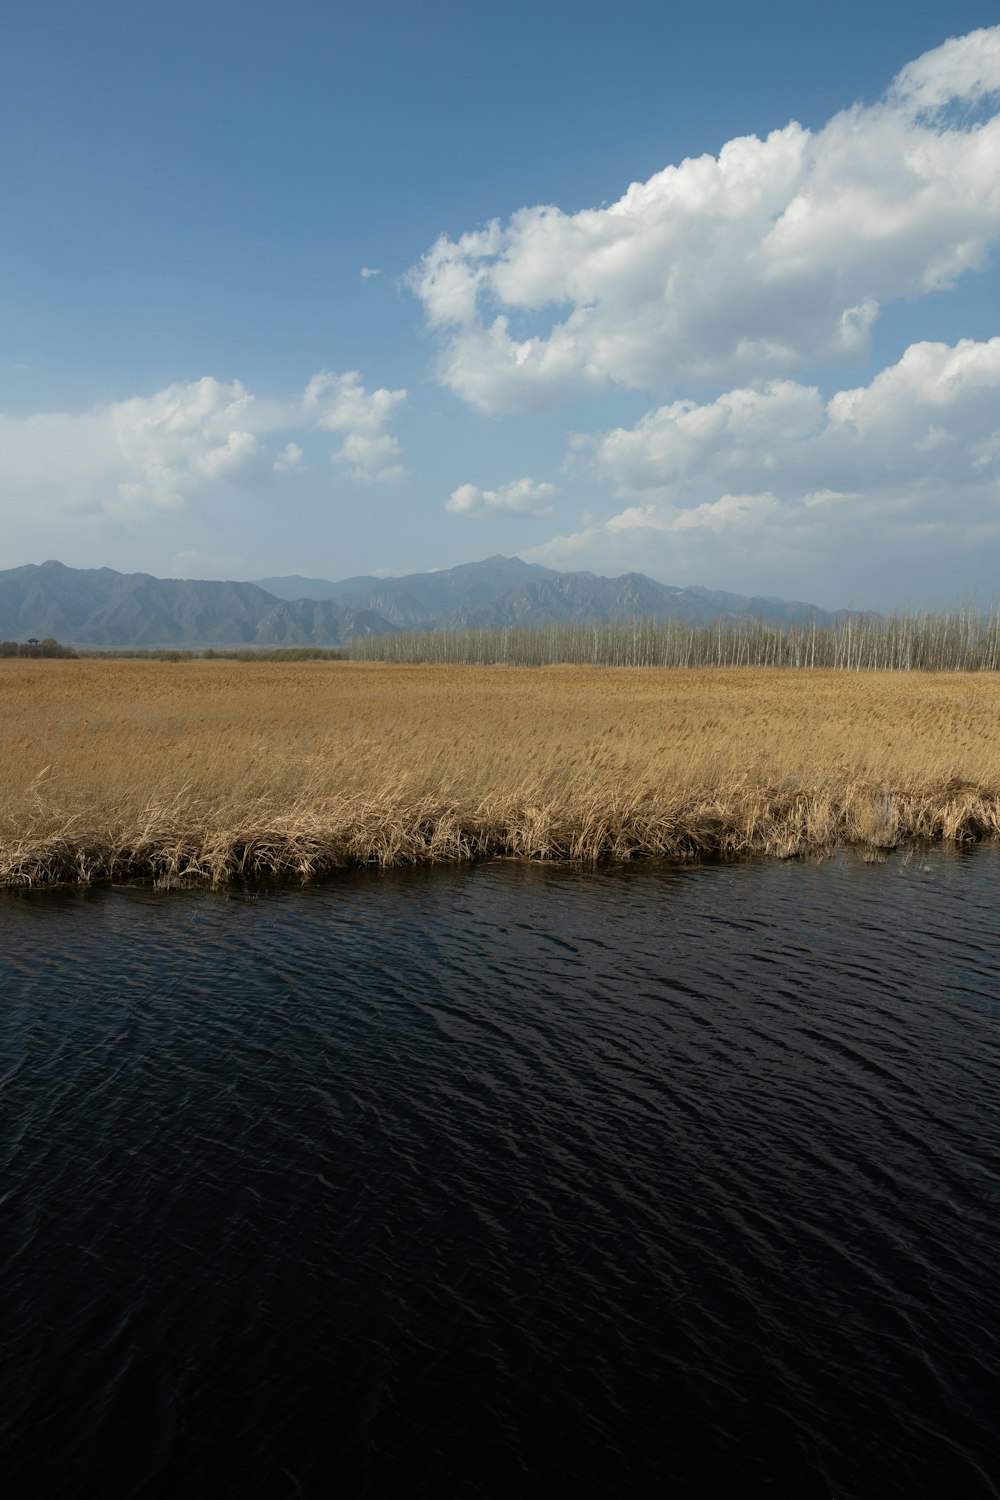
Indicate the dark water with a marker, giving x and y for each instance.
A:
(477, 1182)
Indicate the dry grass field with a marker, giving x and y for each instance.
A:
(221, 770)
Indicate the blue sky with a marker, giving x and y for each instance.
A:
(765, 367)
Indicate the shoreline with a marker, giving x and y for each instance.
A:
(305, 844)
(216, 772)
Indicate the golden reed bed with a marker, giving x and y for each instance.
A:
(221, 770)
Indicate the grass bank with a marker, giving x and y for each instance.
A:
(223, 770)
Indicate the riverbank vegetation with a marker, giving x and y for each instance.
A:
(217, 770)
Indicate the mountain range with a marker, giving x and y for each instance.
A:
(100, 608)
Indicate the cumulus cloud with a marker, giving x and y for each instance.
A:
(966, 68)
(290, 459)
(341, 404)
(776, 253)
(522, 497)
(371, 457)
(367, 272)
(728, 513)
(929, 424)
(241, 459)
(904, 470)
(152, 453)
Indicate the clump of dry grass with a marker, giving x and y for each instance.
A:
(219, 771)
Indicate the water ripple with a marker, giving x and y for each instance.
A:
(614, 1181)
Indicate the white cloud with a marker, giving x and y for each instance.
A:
(728, 513)
(340, 403)
(153, 453)
(966, 67)
(929, 425)
(289, 460)
(371, 457)
(367, 272)
(896, 479)
(673, 445)
(241, 459)
(522, 497)
(775, 253)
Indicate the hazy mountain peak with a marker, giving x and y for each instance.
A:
(101, 607)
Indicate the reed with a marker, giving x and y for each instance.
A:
(227, 770)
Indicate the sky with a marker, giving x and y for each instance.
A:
(709, 293)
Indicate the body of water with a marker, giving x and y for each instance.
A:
(467, 1182)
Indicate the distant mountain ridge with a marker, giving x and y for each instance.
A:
(508, 591)
(101, 608)
(415, 597)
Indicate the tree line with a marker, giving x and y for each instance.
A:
(957, 640)
(965, 639)
(49, 646)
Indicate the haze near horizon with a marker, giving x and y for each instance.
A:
(322, 292)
